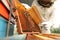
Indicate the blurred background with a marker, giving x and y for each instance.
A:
(29, 2)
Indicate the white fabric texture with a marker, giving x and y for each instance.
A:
(48, 16)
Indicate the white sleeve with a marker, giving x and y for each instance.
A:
(26, 5)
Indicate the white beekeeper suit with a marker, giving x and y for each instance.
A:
(48, 17)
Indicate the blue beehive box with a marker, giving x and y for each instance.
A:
(3, 27)
(11, 31)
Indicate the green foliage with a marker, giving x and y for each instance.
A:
(55, 30)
